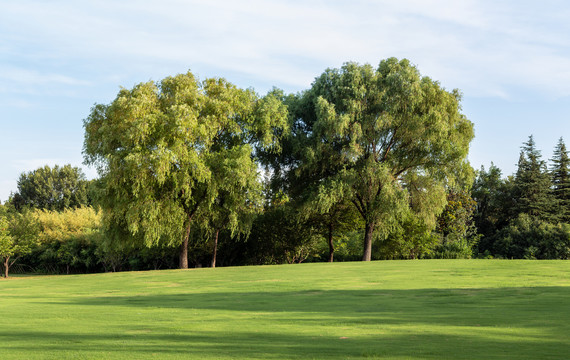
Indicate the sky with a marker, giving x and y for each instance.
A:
(510, 59)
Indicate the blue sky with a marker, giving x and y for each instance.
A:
(511, 60)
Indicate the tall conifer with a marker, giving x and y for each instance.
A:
(532, 193)
(560, 173)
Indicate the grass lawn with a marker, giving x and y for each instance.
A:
(433, 309)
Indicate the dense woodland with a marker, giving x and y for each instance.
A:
(369, 163)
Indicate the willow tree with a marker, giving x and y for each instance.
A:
(156, 146)
(388, 140)
(239, 194)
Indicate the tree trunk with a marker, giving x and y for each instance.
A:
(184, 247)
(367, 256)
(331, 245)
(6, 266)
(215, 249)
(184, 253)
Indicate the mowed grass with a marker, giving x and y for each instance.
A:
(435, 309)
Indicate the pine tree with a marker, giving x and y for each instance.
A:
(560, 175)
(532, 192)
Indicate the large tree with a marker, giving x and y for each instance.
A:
(387, 140)
(560, 173)
(50, 188)
(156, 145)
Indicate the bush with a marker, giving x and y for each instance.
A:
(527, 237)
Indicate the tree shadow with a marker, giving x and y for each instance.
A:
(270, 345)
(487, 323)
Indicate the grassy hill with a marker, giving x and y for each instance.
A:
(436, 309)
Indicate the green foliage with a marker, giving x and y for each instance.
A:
(524, 216)
(529, 237)
(60, 226)
(494, 197)
(239, 194)
(412, 238)
(456, 228)
(49, 188)
(328, 215)
(387, 140)
(66, 240)
(456, 220)
(18, 236)
(166, 150)
(7, 246)
(532, 186)
(279, 235)
(560, 174)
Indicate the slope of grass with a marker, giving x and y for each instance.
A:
(476, 309)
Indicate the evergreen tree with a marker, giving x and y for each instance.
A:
(560, 173)
(532, 192)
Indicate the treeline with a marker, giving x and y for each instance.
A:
(526, 215)
(369, 163)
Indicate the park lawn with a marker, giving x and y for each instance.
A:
(430, 309)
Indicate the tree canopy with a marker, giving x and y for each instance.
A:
(18, 235)
(49, 188)
(165, 150)
(387, 140)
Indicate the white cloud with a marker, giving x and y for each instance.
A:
(67, 50)
(482, 47)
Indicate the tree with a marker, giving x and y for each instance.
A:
(49, 188)
(338, 218)
(327, 215)
(411, 238)
(488, 191)
(6, 245)
(386, 140)
(529, 237)
(560, 176)
(239, 194)
(532, 185)
(494, 198)
(68, 239)
(155, 146)
(17, 237)
(455, 226)
(278, 236)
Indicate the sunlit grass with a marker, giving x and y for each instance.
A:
(478, 309)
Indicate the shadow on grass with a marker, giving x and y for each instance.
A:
(269, 345)
(501, 323)
(452, 306)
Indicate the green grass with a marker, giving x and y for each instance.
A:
(465, 309)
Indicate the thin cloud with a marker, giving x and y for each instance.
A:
(31, 77)
(482, 47)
